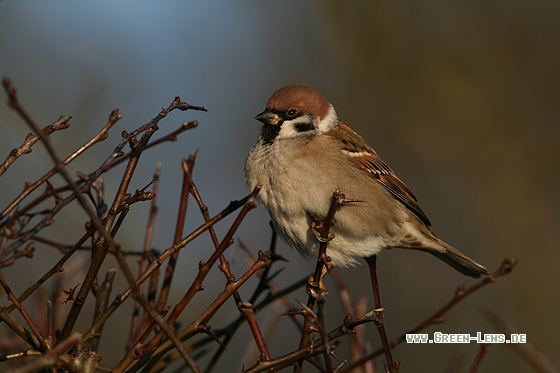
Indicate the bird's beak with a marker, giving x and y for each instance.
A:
(268, 117)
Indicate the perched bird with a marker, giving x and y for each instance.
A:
(304, 153)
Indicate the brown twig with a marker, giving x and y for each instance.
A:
(534, 357)
(57, 268)
(102, 295)
(30, 187)
(249, 203)
(321, 324)
(59, 168)
(63, 248)
(118, 160)
(19, 354)
(30, 140)
(199, 323)
(478, 359)
(229, 330)
(135, 323)
(246, 309)
(357, 346)
(13, 324)
(157, 262)
(148, 307)
(132, 355)
(314, 348)
(36, 332)
(51, 357)
(187, 167)
(204, 268)
(147, 130)
(224, 264)
(103, 245)
(154, 278)
(392, 365)
(27, 252)
(165, 328)
(49, 338)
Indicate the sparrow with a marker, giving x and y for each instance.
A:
(304, 154)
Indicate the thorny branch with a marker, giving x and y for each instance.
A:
(30, 187)
(159, 260)
(245, 308)
(183, 204)
(392, 365)
(138, 326)
(30, 140)
(52, 357)
(314, 288)
(204, 268)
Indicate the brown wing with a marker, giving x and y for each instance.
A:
(366, 158)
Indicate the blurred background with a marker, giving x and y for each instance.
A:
(462, 100)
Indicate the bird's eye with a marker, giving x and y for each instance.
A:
(291, 113)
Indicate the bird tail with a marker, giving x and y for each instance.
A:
(459, 261)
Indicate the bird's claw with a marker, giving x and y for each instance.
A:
(313, 289)
(315, 227)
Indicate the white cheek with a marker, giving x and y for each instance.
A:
(328, 122)
(287, 130)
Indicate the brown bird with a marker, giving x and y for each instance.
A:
(304, 153)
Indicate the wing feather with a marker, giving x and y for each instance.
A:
(356, 148)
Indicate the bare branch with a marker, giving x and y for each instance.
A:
(30, 140)
(526, 350)
(50, 358)
(324, 230)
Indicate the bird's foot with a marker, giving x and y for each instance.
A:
(315, 289)
(316, 230)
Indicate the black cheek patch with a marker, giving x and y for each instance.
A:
(269, 133)
(304, 127)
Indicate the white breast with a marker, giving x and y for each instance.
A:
(290, 189)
